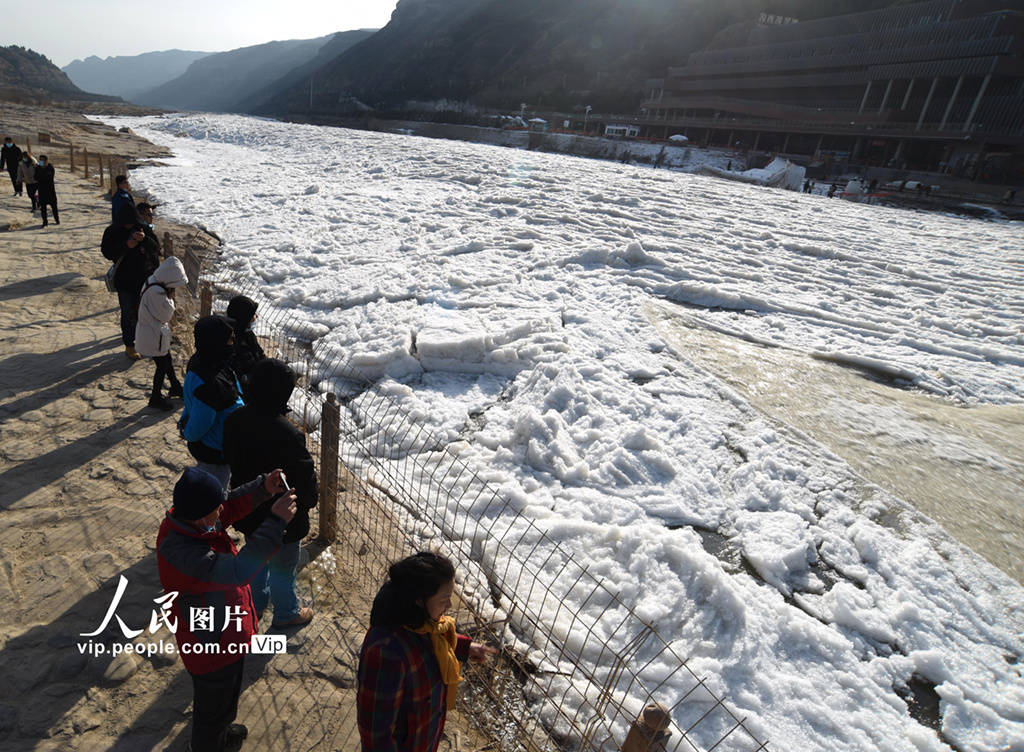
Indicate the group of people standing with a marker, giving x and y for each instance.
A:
(253, 472)
(236, 427)
(32, 177)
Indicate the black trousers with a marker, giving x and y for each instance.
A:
(214, 706)
(14, 179)
(164, 367)
(53, 205)
(30, 189)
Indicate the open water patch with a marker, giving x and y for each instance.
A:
(961, 466)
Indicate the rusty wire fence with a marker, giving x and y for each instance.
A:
(578, 668)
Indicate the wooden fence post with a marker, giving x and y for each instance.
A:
(168, 245)
(330, 432)
(206, 300)
(99, 158)
(649, 732)
(85, 166)
(71, 157)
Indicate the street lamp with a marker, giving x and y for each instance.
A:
(586, 114)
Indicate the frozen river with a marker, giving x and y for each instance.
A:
(648, 358)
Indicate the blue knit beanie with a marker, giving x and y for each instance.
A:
(196, 494)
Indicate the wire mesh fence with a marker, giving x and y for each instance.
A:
(578, 669)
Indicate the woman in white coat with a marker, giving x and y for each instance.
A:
(153, 332)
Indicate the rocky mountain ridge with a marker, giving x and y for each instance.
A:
(129, 75)
(29, 77)
(551, 55)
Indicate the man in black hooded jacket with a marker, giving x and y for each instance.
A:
(257, 436)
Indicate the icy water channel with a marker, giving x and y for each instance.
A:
(961, 466)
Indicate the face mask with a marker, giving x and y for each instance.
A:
(149, 225)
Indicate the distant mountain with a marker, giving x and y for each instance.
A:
(232, 81)
(258, 102)
(128, 75)
(26, 76)
(549, 54)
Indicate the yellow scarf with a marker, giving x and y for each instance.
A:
(443, 638)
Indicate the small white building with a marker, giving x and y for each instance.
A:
(625, 131)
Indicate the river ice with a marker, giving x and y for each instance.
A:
(531, 291)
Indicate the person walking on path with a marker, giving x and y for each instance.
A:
(153, 331)
(27, 176)
(10, 156)
(135, 258)
(213, 609)
(257, 438)
(45, 190)
(211, 395)
(122, 196)
(247, 351)
(409, 662)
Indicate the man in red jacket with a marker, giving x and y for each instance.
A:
(215, 618)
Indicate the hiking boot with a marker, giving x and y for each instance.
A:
(304, 616)
(175, 392)
(129, 350)
(160, 403)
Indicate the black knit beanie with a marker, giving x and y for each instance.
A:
(196, 494)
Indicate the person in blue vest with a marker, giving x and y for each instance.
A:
(122, 197)
(211, 395)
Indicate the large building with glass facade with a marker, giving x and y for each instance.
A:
(935, 86)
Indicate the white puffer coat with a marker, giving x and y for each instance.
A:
(153, 332)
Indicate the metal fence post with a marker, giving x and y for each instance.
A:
(648, 732)
(206, 300)
(330, 431)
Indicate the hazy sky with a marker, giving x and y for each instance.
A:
(67, 29)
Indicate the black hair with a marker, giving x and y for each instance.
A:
(143, 206)
(411, 581)
(119, 179)
(271, 383)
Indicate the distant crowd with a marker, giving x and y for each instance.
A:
(252, 471)
(32, 177)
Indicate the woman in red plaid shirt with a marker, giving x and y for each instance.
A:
(409, 663)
